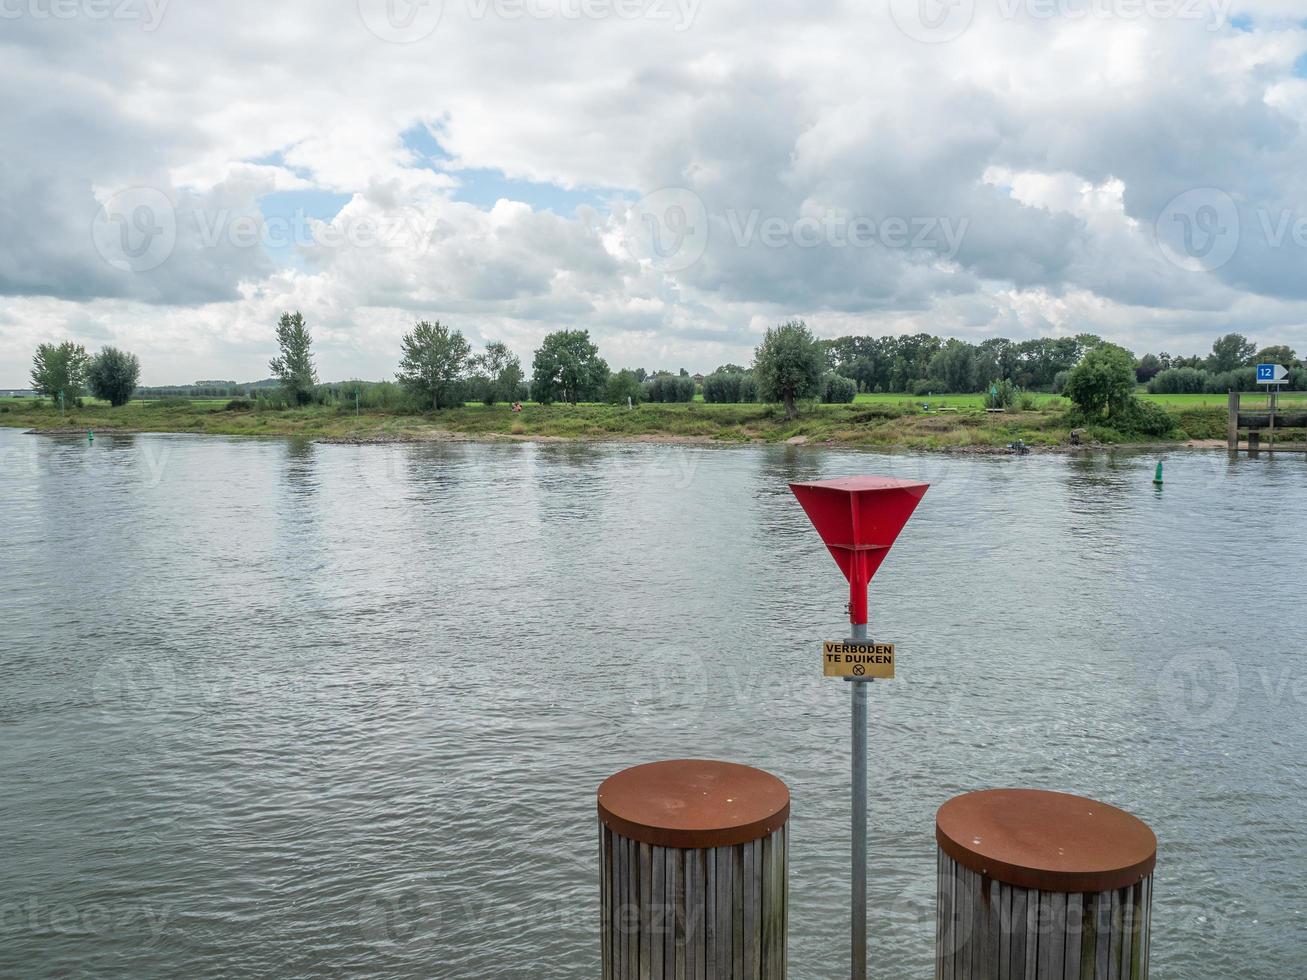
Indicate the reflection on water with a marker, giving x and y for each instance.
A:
(280, 708)
(301, 467)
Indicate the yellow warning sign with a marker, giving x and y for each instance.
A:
(846, 658)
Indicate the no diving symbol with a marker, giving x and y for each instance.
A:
(859, 670)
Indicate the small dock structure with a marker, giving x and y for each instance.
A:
(1261, 425)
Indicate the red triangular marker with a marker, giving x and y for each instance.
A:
(859, 518)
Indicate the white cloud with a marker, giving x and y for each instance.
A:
(1054, 143)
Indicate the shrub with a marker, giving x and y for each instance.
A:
(725, 387)
(239, 405)
(1240, 379)
(621, 386)
(1178, 381)
(1145, 419)
(272, 400)
(667, 388)
(838, 390)
(386, 395)
(923, 386)
(1132, 420)
(1001, 394)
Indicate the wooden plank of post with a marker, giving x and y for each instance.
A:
(1071, 904)
(1232, 424)
(694, 866)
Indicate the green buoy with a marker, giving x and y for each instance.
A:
(1157, 477)
(90, 436)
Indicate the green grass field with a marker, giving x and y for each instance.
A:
(974, 401)
(1254, 400)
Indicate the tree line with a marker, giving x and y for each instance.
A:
(438, 369)
(920, 364)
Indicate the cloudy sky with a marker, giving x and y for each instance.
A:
(673, 175)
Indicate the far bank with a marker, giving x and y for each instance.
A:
(903, 426)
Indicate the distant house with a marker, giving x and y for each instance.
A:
(698, 378)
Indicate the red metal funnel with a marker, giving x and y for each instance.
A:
(859, 518)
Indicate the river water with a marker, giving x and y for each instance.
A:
(283, 709)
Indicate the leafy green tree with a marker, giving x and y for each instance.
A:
(502, 372)
(293, 367)
(434, 363)
(113, 375)
(1234, 350)
(1279, 354)
(1148, 367)
(60, 368)
(789, 364)
(954, 368)
(1001, 358)
(567, 367)
(1103, 381)
(621, 386)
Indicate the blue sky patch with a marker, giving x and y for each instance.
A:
(483, 187)
(278, 159)
(287, 216)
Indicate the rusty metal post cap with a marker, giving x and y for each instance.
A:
(693, 803)
(1052, 842)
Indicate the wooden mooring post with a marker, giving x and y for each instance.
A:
(1042, 886)
(693, 862)
(1270, 419)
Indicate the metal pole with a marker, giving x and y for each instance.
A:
(859, 907)
(1274, 393)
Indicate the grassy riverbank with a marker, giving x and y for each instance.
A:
(905, 424)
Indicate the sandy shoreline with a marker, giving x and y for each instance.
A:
(448, 436)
